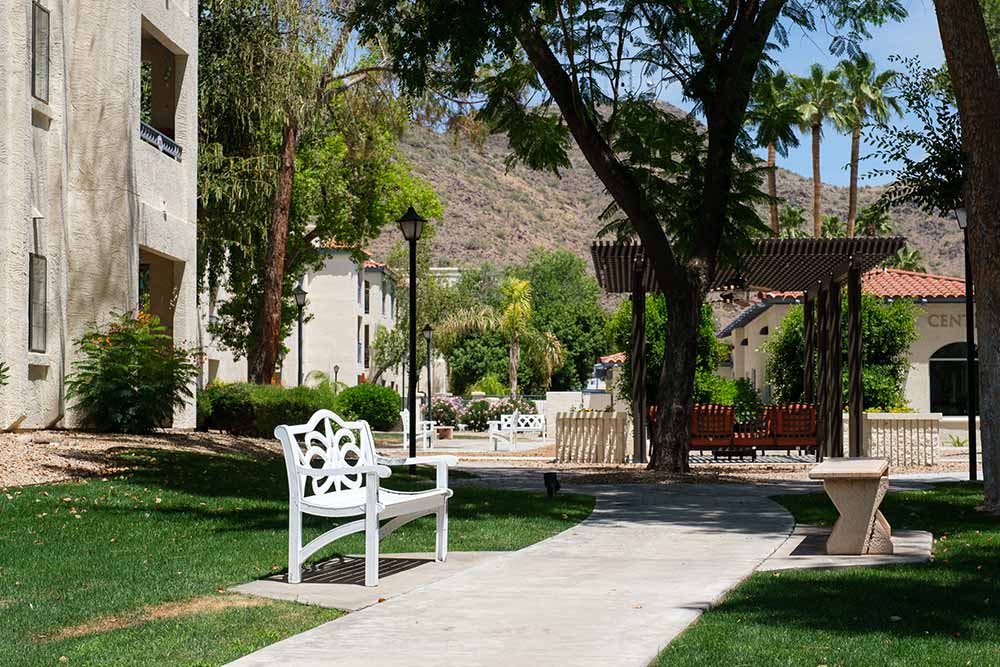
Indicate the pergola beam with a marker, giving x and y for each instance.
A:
(855, 384)
(637, 357)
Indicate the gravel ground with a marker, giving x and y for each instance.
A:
(43, 457)
(51, 456)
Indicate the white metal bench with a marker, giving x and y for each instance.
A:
(507, 427)
(346, 483)
(425, 430)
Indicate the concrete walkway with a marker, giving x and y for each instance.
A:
(611, 591)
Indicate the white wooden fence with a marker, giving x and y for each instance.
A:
(592, 437)
(906, 438)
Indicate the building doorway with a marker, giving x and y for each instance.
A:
(949, 379)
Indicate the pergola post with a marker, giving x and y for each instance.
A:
(637, 357)
(809, 333)
(835, 393)
(855, 386)
(823, 358)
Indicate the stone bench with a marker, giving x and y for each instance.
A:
(856, 486)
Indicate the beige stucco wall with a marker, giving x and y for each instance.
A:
(101, 191)
(938, 324)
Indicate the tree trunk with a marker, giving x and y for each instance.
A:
(852, 199)
(671, 436)
(515, 362)
(772, 188)
(973, 72)
(817, 183)
(262, 363)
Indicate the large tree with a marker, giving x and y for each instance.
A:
(773, 110)
(819, 95)
(972, 66)
(867, 98)
(563, 71)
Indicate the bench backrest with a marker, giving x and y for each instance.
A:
(326, 441)
(531, 422)
(710, 420)
(796, 420)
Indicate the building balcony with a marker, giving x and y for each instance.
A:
(160, 141)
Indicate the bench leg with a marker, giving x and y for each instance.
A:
(441, 544)
(294, 544)
(371, 540)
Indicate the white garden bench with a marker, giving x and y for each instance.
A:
(507, 427)
(425, 429)
(346, 483)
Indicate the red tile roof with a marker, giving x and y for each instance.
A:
(899, 284)
(616, 358)
(372, 264)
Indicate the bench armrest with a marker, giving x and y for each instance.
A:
(381, 471)
(441, 462)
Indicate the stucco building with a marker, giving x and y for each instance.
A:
(98, 170)
(936, 381)
(347, 303)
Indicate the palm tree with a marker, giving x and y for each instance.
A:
(792, 221)
(817, 97)
(513, 319)
(866, 98)
(773, 110)
(908, 259)
(874, 221)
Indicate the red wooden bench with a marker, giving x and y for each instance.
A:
(796, 427)
(711, 427)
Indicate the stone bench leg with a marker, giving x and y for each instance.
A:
(861, 528)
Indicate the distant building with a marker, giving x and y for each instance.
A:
(98, 178)
(937, 377)
(347, 304)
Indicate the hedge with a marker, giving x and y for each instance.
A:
(377, 405)
(255, 410)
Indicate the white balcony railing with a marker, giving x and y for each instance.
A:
(162, 142)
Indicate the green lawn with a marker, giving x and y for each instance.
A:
(181, 526)
(942, 613)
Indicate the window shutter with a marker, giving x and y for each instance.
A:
(40, 52)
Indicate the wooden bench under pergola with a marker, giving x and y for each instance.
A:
(819, 269)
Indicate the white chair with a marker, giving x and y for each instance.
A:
(346, 484)
(425, 429)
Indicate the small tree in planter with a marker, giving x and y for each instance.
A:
(131, 376)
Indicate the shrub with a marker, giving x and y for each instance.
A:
(204, 410)
(506, 406)
(477, 414)
(256, 410)
(131, 375)
(444, 413)
(377, 405)
(490, 385)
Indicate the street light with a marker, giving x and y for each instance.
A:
(412, 225)
(428, 332)
(300, 302)
(972, 406)
(336, 372)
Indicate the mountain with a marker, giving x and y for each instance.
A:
(499, 215)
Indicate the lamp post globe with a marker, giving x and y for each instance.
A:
(412, 226)
(300, 301)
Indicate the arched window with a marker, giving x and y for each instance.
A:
(949, 381)
(764, 331)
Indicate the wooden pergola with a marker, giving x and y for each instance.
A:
(819, 269)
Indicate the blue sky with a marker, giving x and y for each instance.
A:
(915, 36)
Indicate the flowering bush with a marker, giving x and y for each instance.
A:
(131, 375)
(477, 414)
(446, 409)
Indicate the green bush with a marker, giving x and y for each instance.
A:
(256, 410)
(204, 410)
(477, 414)
(490, 385)
(131, 375)
(377, 405)
(444, 413)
